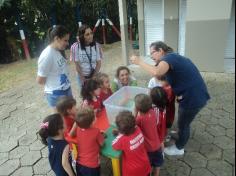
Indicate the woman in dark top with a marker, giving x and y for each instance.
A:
(187, 83)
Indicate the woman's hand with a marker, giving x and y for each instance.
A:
(135, 60)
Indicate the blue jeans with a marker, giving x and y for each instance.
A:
(79, 82)
(53, 98)
(185, 118)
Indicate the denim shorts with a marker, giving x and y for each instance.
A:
(53, 98)
(156, 158)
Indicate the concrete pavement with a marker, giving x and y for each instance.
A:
(210, 151)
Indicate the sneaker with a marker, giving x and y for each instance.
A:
(173, 132)
(173, 151)
(168, 138)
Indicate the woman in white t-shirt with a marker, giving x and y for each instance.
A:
(87, 55)
(52, 66)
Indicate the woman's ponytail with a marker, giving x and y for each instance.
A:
(161, 45)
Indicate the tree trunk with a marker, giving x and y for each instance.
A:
(5, 51)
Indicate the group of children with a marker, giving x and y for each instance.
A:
(140, 136)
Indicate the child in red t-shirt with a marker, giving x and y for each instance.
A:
(131, 142)
(90, 93)
(66, 106)
(104, 82)
(159, 99)
(89, 141)
(146, 119)
(170, 106)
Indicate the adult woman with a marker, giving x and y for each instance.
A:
(87, 55)
(122, 78)
(187, 83)
(52, 66)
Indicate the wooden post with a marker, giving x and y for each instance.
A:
(124, 31)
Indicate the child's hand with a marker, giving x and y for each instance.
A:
(104, 134)
(135, 60)
(115, 132)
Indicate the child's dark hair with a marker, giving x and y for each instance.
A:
(87, 89)
(143, 103)
(64, 104)
(80, 34)
(119, 69)
(85, 117)
(159, 97)
(50, 127)
(100, 78)
(57, 31)
(125, 122)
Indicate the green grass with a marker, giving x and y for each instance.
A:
(17, 73)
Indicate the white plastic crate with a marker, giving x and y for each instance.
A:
(122, 100)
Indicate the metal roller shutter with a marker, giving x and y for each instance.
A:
(230, 47)
(182, 25)
(154, 22)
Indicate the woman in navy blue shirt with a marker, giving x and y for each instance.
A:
(187, 83)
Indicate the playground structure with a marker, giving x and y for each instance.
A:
(103, 19)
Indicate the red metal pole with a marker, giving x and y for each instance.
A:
(131, 28)
(97, 24)
(104, 31)
(80, 24)
(25, 45)
(113, 27)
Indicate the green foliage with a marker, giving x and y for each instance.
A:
(35, 17)
(4, 3)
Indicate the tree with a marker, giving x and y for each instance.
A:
(4, 3)
(5, 52)
(35, 16)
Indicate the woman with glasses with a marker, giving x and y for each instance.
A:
(187, 83)
(86, 54)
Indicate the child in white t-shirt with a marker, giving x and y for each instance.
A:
(154, 82)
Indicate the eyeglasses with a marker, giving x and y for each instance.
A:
(153, 52)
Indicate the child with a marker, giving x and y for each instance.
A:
(104, 82)
(131, 142)
(170, 107)
(89, 142)
(154, 82)
(159, 99)
(66, 106)
(146, 119)
(123, 78)
(52, 134)
(90, 93)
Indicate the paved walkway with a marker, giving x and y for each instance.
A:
(210, 151)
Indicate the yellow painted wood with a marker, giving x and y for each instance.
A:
(74, 152)
(116, 166)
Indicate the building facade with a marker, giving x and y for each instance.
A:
(203, 30)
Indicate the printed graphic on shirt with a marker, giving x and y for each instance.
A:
(136, 142)
(61, 62)
(82, 56)
(64, 81)
(53, 66)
